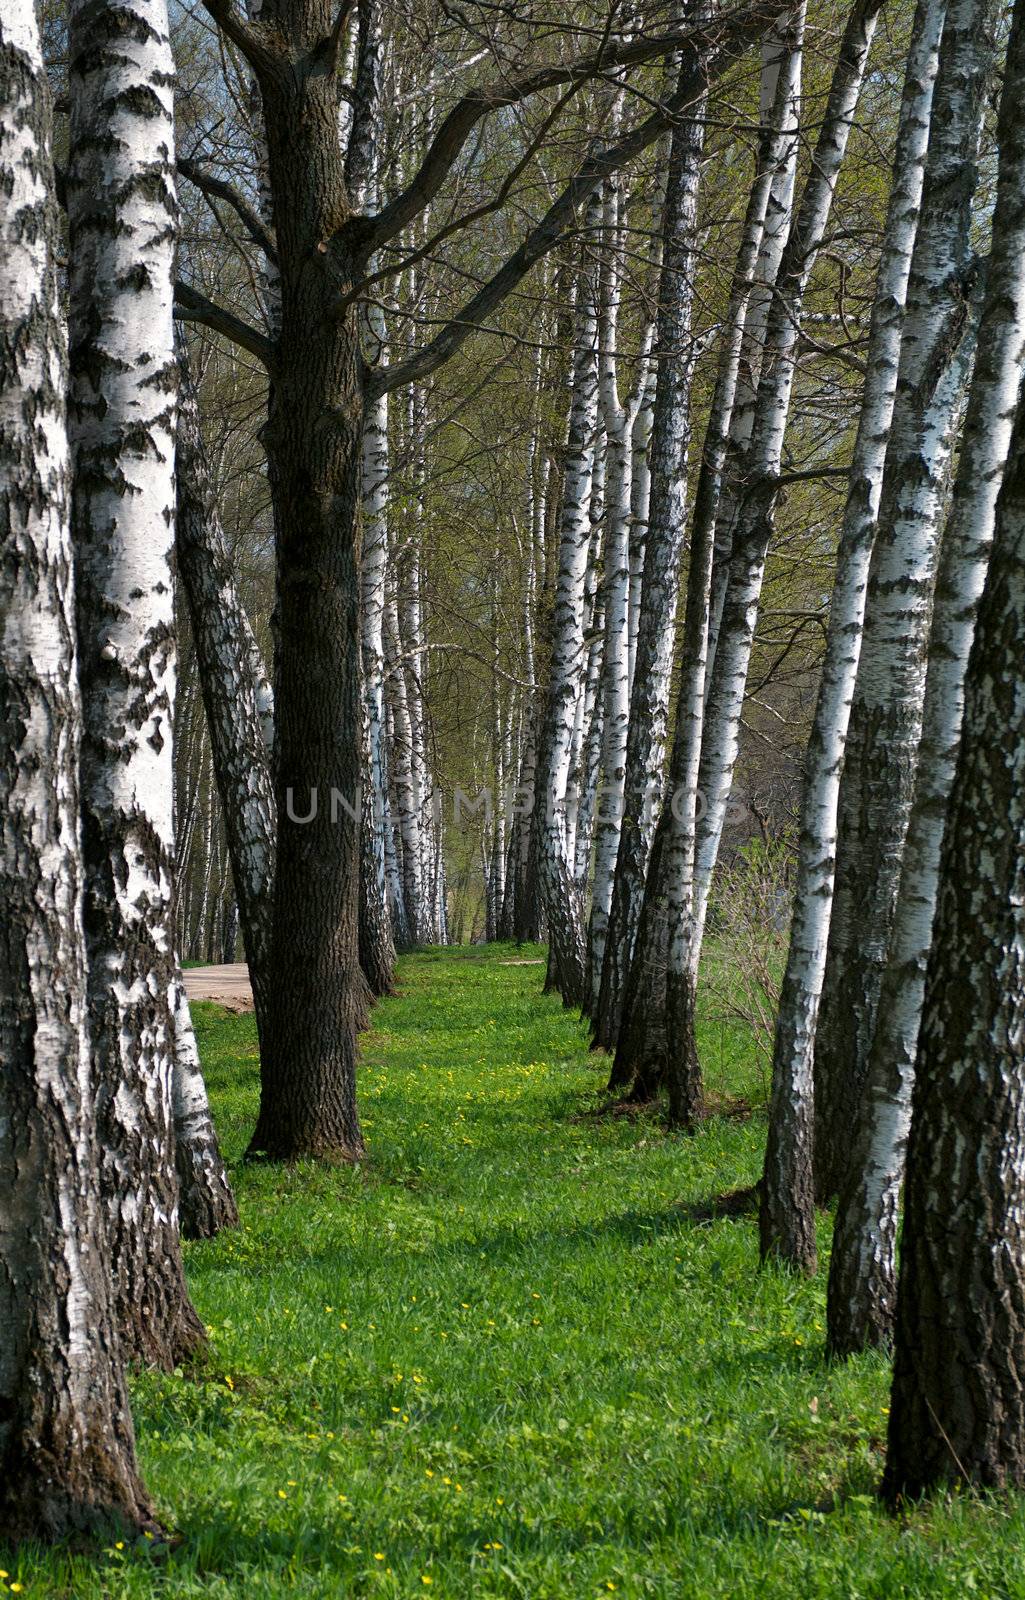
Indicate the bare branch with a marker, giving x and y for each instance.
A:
(694, 78)
(262, 49)
(192, 306)
(220, 189)
(460, 122)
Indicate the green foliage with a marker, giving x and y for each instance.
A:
(509, 1356)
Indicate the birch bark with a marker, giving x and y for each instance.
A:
(236, 695)
(122, 218)
(67, 1451)
(565, 913)
(619, 416)
(886, 715)
(957, 1410)
(806, 958)
(862, 1277)
(648, 710)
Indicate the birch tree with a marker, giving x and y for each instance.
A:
(641, 1038)
(886, 715)
(67, 1452)
(619, 414)
(806, 959)
(236, 694)
(957, 1410)
(561, 892)
(314, 440)
(666, 457)
(121, 212)
(862, 1274)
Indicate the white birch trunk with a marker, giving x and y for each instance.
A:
(957, 1408)
(236, 694)
(619, 417)
(121, 210)
(863, 1262)
(667, 439)
(886, 714)
(565, 916)
(780, 107)
(806, 958)
(640, 1033)
(67, 1453)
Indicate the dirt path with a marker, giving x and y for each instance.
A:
(229, 986)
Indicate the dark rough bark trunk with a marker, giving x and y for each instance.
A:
(958, 1405)
(315, 444)
(122, 215)
(67, 1452)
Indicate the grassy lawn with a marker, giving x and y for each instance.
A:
(510, 1357)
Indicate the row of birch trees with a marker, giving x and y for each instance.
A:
(568, 404)
(896, 1072)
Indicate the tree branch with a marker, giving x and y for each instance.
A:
(460, 122)
(220, 189)
(263, 50)
(191, 306)
(694, 78)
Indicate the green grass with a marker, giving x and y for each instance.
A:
(507, 1357)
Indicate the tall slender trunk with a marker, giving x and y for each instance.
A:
(377, 943)
(237, 707)
(862, 1276)
(648, 711)
(67, 1452)
(806, 958)
(641, 1037)
(122, 215)
(780, 89)
(562, 898)
(618, 415)
(957, 1410)
(886, 715)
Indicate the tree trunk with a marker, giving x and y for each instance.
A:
(315, 448)
(886, 715)
(206, 1201)
(957, 1411)
(121, 212)
(862, 1276)
(802, 983)
(641, 1037)
(619, 416)
(656, 628)
(67, 1452)
(562, 897)
(227, 655)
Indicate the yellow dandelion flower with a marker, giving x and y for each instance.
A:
(425, 1579)
(282, 1495)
